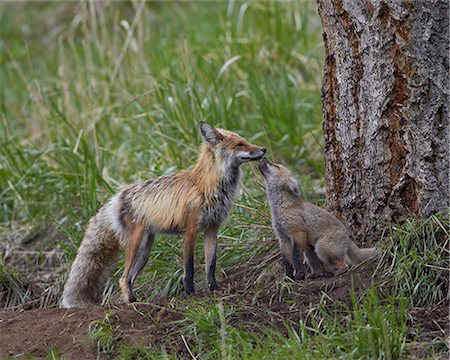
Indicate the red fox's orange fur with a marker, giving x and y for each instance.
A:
(185, 202)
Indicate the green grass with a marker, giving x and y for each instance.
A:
(95, 95)
(12, 288)
(415, 259)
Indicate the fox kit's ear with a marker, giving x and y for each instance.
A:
(293, 187)
(209, 133)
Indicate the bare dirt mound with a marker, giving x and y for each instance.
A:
(37, 331)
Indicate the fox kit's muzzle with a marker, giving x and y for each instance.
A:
(263, 165)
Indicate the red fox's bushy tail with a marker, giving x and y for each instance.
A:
(356, 255)
(89, 272)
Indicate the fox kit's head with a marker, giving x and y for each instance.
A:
(278, 178)
(229, 147)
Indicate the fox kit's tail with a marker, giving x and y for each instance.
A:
(356, 255)
(98, 250)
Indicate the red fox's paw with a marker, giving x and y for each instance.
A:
(213, 286)
(129, 298)
(189, 292)
(127, 293)
(189, 288)
(132, 298)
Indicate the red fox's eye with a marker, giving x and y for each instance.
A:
(240, 145)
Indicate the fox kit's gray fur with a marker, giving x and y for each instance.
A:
(186, 202)
(305, 229)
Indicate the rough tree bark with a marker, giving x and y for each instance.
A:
(385, 110)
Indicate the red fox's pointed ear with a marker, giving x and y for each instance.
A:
(209, 133)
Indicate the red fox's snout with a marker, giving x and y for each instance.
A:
(229, 145)
(253, 155)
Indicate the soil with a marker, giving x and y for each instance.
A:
(263, 297)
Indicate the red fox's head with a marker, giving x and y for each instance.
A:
(229, 146)
(278, 177)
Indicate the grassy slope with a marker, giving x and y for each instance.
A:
(94, 96)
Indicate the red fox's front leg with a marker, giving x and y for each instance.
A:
(210, 257)
(190, 239)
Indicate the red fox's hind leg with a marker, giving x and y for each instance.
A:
(141, 257)
(210, 258)
(136, 232)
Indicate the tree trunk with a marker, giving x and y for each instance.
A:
(385, 110)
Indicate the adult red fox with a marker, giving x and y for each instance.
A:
(305, 229)
(185, 202)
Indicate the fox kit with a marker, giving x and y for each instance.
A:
(305, 229)
(186, 202)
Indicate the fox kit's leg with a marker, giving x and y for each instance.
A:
(331, 252)
(190, 239)
(318, 268)
(287, 256)
(210, 257)
(136, 232)
(298, 247)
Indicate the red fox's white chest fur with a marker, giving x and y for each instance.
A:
(191, 200)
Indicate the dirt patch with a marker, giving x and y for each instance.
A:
(37, 331)
(433, 319)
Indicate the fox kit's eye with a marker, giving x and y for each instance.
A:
(240, 145)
